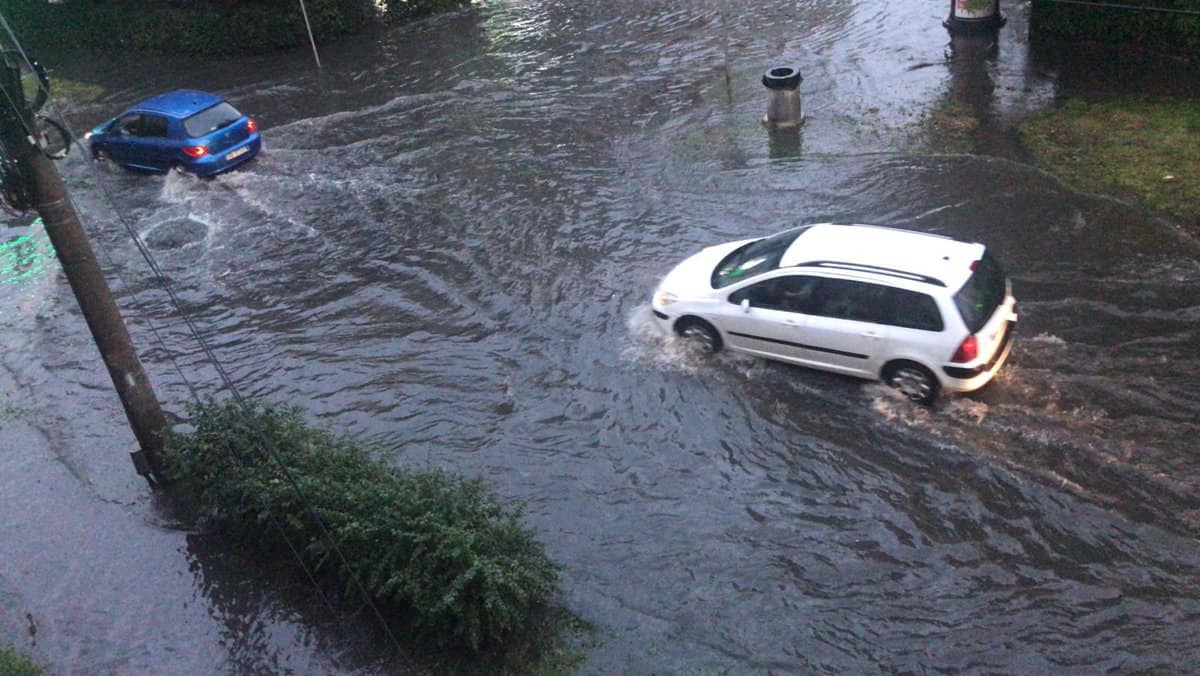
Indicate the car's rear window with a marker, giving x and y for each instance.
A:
(211, 119)
(755, 257)
(984, 291)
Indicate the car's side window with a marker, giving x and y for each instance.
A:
(761, 295)
(790, 294)
(845, 299)
(914, 310)
(130, 125)
(154, 126)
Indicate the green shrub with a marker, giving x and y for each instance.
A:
(13, 664)
(440, 546)
(406, 9)
(198, 27)
(1170, 32)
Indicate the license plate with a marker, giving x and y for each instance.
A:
(237, 153)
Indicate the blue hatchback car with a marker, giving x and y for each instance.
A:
(194, 131)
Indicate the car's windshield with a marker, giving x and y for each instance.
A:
(982, 293)
(753, 258)
(211, 119)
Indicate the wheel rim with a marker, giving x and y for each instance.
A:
(912, 383)
(700, 336)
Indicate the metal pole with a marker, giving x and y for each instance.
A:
(311, 41)
(87, 280)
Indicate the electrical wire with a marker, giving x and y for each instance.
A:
(227, 381)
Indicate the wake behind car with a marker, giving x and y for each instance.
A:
(921, 312)
(186, 129)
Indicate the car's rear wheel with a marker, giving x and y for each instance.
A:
(700, 333)
(913, 381)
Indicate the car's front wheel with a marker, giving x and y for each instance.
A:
(700, 333)
(913, 381)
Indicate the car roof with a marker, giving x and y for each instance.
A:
(180, 103)
(879, 250)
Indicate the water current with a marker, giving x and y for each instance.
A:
(447, 249)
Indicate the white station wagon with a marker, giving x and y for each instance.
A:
(921, 312)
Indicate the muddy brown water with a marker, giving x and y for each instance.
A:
(447, 249)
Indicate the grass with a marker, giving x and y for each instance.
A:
(77, 92)
(15, 664)
(9, 413)
(1143, 152)
(949, 127)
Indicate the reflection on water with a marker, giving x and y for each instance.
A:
(447, 249)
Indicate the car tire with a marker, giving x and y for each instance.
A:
(914, 381)
(699, 332)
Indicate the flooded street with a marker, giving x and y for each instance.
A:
(447, 249)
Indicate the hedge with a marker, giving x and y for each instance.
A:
(1165, 31)
(441, 549)
(200, 26)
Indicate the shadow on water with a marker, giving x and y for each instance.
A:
(263, 604)
(1097, 70)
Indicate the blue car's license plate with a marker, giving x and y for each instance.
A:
(237, 153)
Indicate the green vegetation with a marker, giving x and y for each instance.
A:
(439, 549)
(200, 26)
(949, 126)
(1144, 152)
(77, 92)
(203, 27)
(408, 9)
(1164, 31)
(14, 664)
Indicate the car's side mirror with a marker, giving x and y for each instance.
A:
(745, 305)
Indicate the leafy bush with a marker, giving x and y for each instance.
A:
(1178, 33)
(441, 546)
(13, 664)
(406, 9)
(198, 27)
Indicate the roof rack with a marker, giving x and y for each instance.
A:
(860, 267)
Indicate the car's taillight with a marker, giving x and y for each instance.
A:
(195, 151)
(251, 125)
(967, 351)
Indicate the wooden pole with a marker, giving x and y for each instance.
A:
(87, 280)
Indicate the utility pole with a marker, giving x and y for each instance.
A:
(83, 272)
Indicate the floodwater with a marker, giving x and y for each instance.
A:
(447, 249)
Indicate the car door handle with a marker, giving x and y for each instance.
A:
(871, 334)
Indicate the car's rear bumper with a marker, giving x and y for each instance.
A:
(967, 379)
(211, 165)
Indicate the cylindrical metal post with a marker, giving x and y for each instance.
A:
(784, 109)
(974, 15)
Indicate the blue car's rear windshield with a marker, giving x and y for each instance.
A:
(757, 256)
(211, 119)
